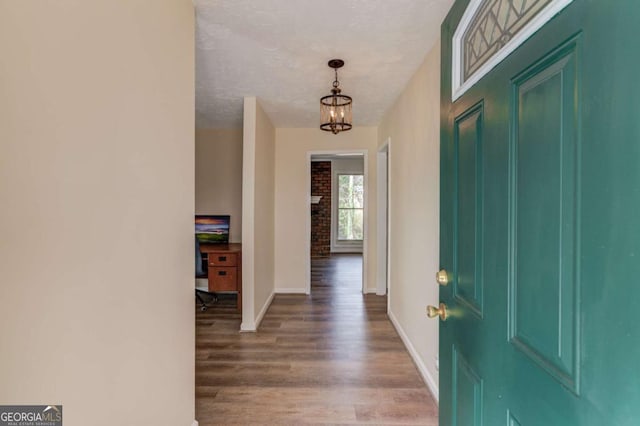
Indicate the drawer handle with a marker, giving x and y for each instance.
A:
(222, 258)
(222, 273)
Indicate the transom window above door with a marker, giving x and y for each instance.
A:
(489, 31)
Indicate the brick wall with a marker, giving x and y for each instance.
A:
(321, 213)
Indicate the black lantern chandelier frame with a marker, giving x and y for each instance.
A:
(335, 109)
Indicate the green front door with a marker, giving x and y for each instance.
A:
(540, 225)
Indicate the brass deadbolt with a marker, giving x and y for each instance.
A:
(442, 277)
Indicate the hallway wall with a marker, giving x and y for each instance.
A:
(96, 223)
(293, 207)
(413, 127)
(219, 176)
(258, 186)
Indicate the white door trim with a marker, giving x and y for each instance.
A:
(382, 222)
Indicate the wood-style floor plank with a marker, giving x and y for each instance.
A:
(329, 358)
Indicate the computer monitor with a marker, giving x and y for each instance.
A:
(212, 229)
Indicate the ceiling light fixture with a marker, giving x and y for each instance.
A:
(335, 109)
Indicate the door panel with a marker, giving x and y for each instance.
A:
(468, 242)
(512, 420)
(544, 307)
(540, 225)
(467, 393)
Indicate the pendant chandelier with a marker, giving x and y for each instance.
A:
(335, 109)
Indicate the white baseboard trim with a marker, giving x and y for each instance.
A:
(247, 328)
(252, 328)
(426, 376)
(290, 291)
(264, 309)
(195, 423)
(370, 291)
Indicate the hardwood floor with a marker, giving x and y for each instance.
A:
(329, 358)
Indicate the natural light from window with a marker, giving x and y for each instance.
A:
(350, 207)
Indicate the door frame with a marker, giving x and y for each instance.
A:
(383, 236)
(365, 250)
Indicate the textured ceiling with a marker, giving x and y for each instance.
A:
(278, 50)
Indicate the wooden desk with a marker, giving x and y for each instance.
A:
(224, 262)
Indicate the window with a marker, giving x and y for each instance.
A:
(350, 207)
(494, 24)
(491, 29)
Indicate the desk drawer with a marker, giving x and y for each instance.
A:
(223, 278)
(223, 259)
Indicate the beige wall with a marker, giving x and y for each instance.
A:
(219, 175)
(96, 224)
(412, 125)
(264, 211)
(258, 213)
(292, 205)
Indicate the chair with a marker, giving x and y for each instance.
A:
(201, 290)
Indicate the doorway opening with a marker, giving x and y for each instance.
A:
(337, 221)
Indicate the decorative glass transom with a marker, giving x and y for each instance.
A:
(495, 23)
(491, 29)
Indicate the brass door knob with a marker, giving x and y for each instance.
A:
(440, 311)
(442, 277)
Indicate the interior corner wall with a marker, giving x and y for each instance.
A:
(264, 233)
(219, 176)
(258, 210)
(413, 127)
(96, 224)
(248, 213)
(292, 203)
